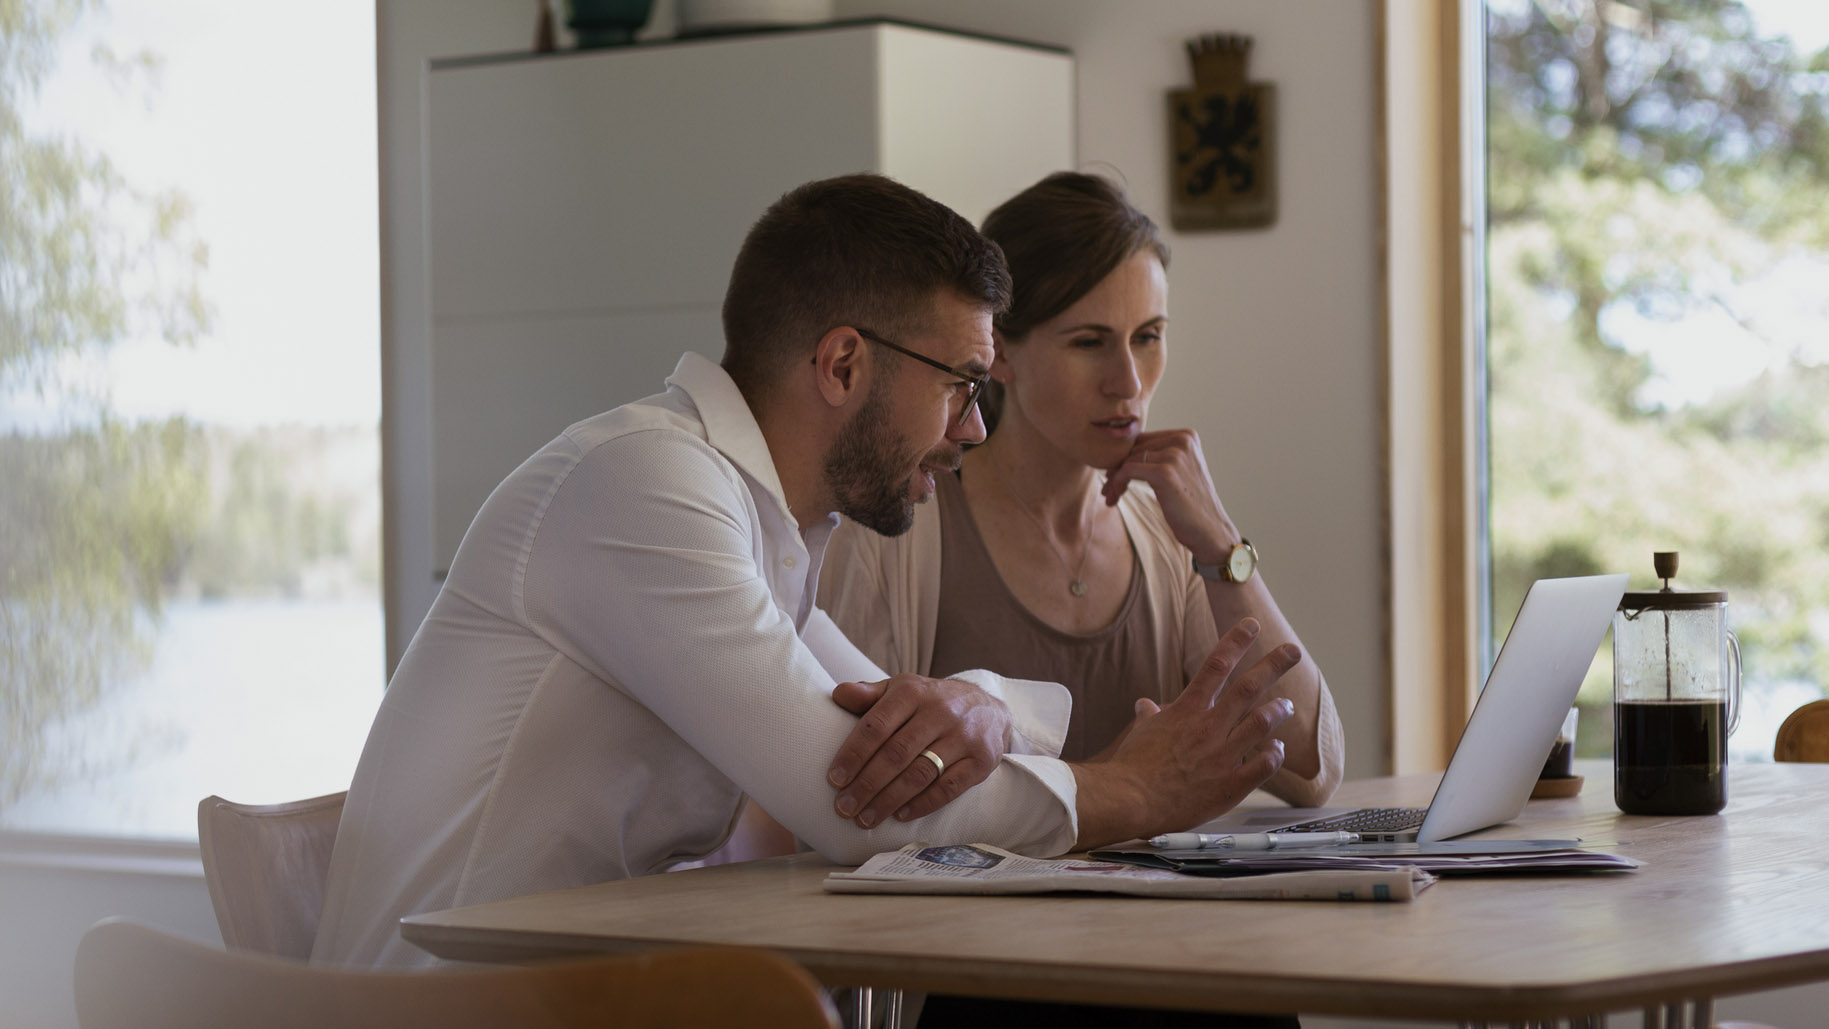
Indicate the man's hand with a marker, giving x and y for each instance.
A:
(880, 766)
(1195, 758)
(1142, 708)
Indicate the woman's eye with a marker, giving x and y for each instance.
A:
(1088, 342)
(1147, 338)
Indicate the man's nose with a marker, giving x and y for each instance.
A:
(971, 431)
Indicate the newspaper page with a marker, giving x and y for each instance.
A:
(984, 869)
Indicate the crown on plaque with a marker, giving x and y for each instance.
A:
(1219, 59)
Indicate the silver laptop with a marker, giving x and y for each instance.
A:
(1501, 752)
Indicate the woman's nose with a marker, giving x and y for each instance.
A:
(1122, 380)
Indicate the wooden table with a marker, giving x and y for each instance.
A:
(1725, 904)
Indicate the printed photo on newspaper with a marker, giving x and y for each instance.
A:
(984, 869)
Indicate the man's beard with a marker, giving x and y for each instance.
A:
(866, 469)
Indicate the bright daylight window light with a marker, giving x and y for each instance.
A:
(189, 429)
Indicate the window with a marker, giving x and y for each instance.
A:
(189, 409)
(1658, 291)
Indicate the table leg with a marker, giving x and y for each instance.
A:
(1694, 1014)
(864, 1008)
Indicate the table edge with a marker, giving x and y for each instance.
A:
(1170, 988)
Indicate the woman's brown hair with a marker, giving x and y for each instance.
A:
(1060, 238)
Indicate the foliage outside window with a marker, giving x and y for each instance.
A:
(1658, 352)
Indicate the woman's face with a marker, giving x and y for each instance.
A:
(1084, 378)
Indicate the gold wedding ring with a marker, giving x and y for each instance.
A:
(939, 765)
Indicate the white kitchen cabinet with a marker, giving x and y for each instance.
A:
(583, 209)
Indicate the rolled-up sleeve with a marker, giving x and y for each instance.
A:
(1039, 711)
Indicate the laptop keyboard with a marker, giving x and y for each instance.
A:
(1365, 820)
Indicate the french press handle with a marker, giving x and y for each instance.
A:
(1733, 698)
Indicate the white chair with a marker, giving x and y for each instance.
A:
(266, 866)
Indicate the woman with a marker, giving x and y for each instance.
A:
(1067, 547)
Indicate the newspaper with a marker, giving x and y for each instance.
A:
(981, 868)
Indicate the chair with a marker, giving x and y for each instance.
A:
(266, 866)
(1804, 736)
(131, 975)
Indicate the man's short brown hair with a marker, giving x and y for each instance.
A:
(860, 250)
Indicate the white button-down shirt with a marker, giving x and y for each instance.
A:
(626, 645)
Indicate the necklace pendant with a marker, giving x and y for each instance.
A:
(1077, 588)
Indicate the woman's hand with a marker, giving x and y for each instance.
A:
(1172, 463)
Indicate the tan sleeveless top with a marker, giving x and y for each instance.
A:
(981, 624)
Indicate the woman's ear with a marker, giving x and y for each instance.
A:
(1001, 368)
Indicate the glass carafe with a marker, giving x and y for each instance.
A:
(1676, 698)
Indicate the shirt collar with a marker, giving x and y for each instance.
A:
(730, 425)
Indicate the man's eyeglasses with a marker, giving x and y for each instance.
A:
(974, 383)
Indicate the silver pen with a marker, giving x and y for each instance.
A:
(1250, 840)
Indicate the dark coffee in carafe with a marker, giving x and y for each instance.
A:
(1670, 757)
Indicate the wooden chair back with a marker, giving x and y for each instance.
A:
(266, 866)
(131, 975)
(1804, 736)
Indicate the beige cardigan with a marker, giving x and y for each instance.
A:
(884, 592)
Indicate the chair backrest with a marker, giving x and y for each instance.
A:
(1804, 736)
(266, 866)
(131, 975)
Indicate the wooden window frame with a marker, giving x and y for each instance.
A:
(1432, 255)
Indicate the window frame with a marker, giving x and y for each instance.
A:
(1432, 163)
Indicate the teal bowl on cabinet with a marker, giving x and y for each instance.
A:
(606, 22)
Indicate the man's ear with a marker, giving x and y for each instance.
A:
(839, 366)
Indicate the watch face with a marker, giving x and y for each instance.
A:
(1241, 563)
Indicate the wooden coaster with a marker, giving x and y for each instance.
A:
(1568, 787)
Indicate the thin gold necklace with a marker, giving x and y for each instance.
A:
(1076, 585)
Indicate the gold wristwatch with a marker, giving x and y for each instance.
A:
(1240, 565)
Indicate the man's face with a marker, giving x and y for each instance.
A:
(908, 430)
(866, 468)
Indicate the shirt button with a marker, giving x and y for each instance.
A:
(788, 561)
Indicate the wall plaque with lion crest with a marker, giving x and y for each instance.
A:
(1223, 138)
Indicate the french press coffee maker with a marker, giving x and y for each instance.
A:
(1676, 698)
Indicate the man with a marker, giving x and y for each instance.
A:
(626, 645)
